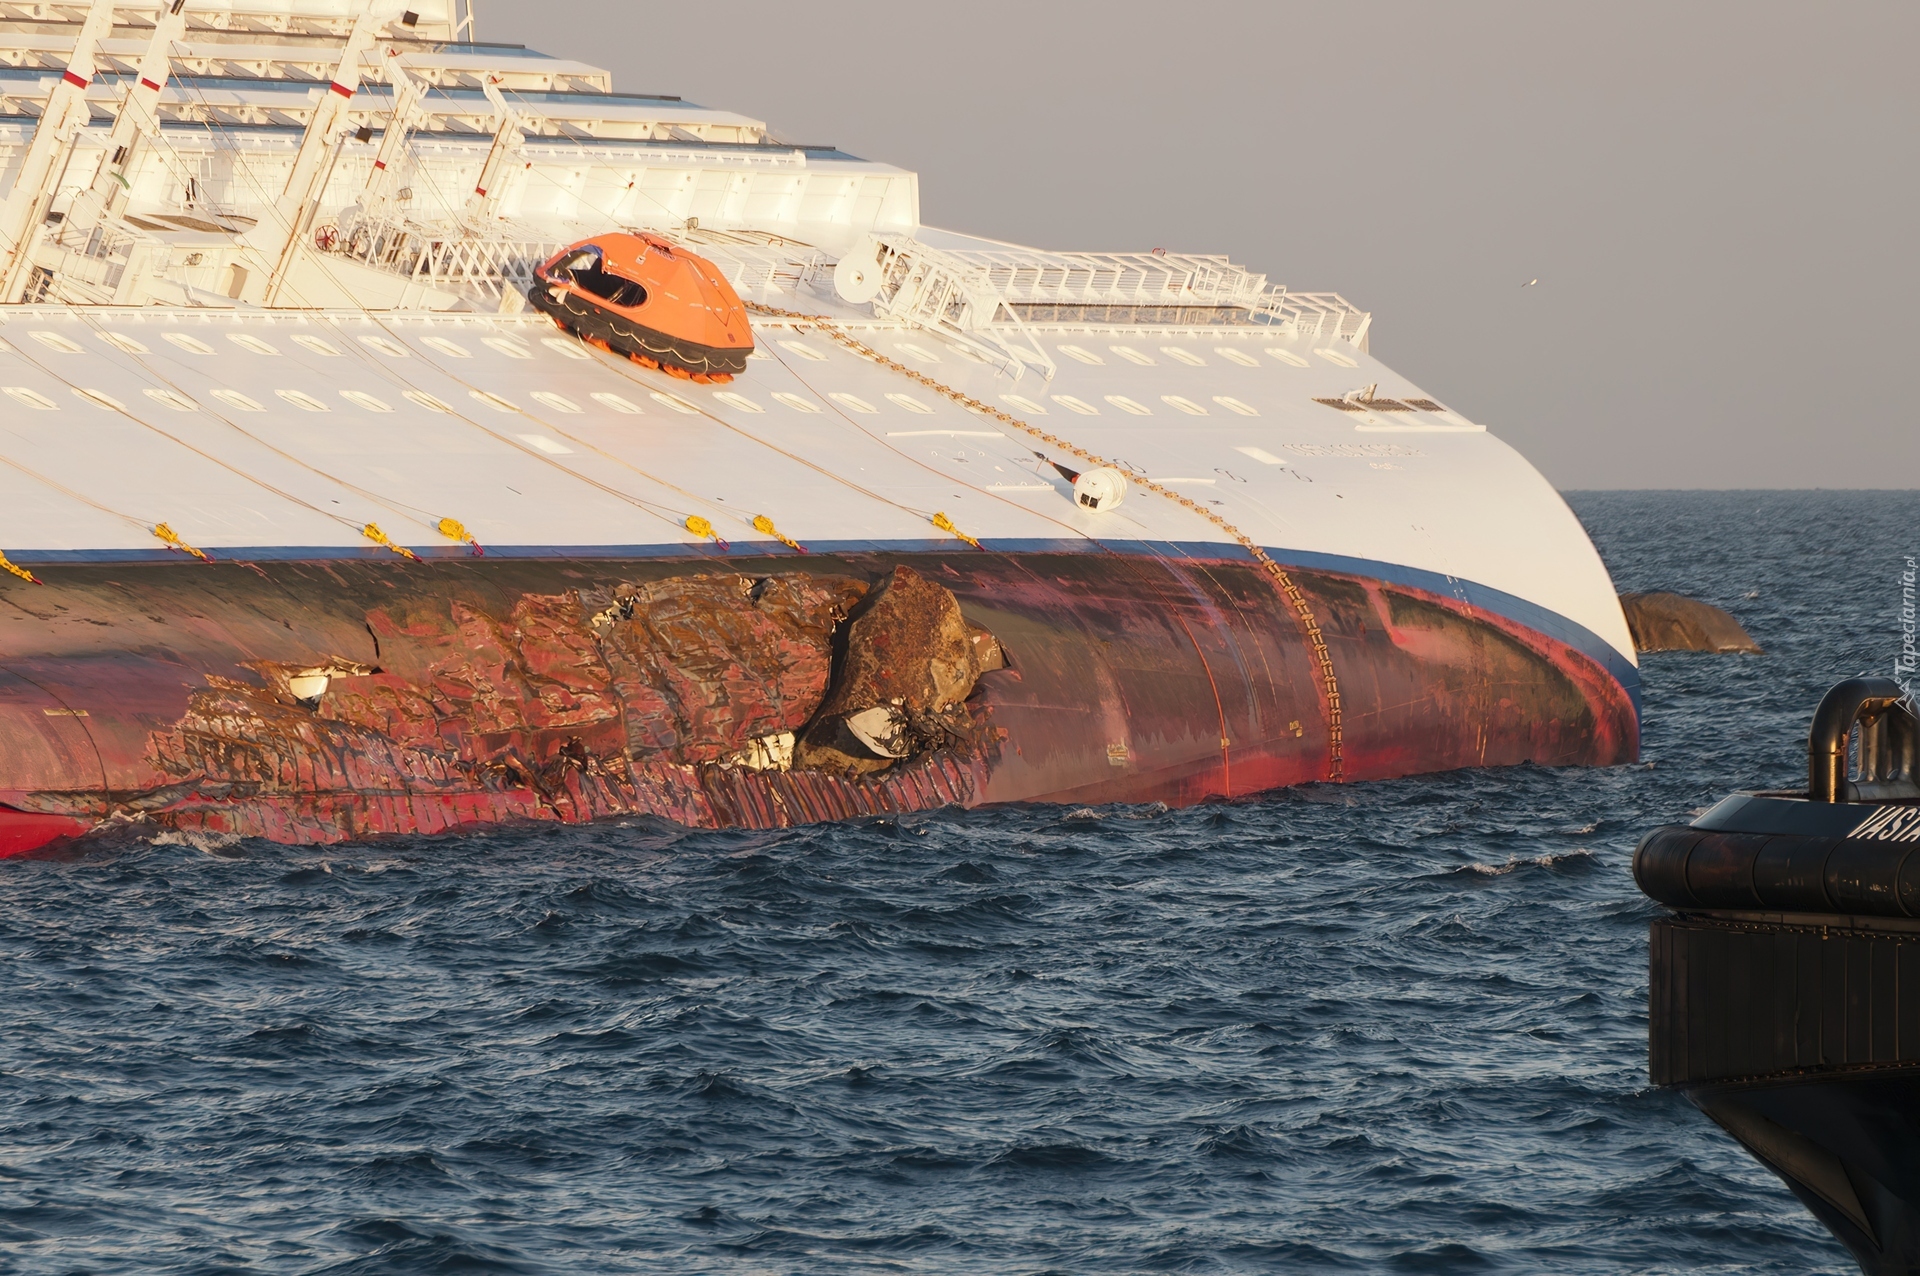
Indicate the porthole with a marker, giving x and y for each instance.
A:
(1185, 405)
(121, 341)
(920, 353)
(247, 341)
(1336, 357)
(558, 402)
(1240, 357)
(740, 401)
(101, 399)
(1184, 355)
(910, 403)
(319, 345)
(392, 349)
(1025, 404)
(54, 341)
(1072, 404)
(493, 401)
(192, 345)
(1133, 356)
(178, 402)
(795, 402)
(507, 346)
(804, 350)
(32, 398)
(425, 400)
(675, 402)
(1082, 354)
(1232, 404)
(624, 406)
(305, 402)
(362, 399)
(552, 447)
(571, 349)
(238, 401)
(452, 349)
(1288, 357)
(1125, 404)
(853, 402)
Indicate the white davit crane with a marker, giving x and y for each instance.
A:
(507, 138)
(278, 238)
(365, 225)
(408, 94)
(137, 124)
(65, 115)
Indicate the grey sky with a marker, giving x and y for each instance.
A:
(1717, 199)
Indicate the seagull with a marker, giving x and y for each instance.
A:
(1530, 283)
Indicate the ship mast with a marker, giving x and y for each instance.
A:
(65, 115)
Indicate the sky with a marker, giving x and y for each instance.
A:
(1717, 199)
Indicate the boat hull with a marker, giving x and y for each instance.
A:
(465, 691)
(623, 334)
(1799, 1034)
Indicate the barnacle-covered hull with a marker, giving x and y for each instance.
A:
(311, 702)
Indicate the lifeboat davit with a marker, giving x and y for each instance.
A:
(639, 295)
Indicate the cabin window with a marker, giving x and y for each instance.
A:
(587, 268)
(615, 289)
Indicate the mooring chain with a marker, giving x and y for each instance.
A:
(1330, 682)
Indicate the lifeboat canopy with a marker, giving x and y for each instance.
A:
(649, 299)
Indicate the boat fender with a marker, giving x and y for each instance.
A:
(1100, 489)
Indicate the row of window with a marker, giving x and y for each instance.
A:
(1080, 354)
(242, 402)
(514, 348)
(511, 347)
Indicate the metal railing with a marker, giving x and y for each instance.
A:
(1167, 281)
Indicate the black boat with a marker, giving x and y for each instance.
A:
(1784, 991)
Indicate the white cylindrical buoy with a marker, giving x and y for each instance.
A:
(1100, 489)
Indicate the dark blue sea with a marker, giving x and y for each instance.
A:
(1392, 1027)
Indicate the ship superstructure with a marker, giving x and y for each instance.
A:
(318, 529)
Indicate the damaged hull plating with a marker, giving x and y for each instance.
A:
(322, 701)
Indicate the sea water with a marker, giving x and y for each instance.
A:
(1386, 1027)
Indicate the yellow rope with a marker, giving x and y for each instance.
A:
(1323, 658)
(373, 533)
(172, 538)
(21, 572)
(455, 530)
(945, 524)
(764, 525)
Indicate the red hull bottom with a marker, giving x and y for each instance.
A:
(477, 691)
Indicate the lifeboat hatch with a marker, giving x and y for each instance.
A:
(648, 299)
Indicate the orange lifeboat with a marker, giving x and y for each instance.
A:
(638, 295)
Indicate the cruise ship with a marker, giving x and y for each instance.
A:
(325, 517)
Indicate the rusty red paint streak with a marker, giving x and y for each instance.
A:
(497, 699)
